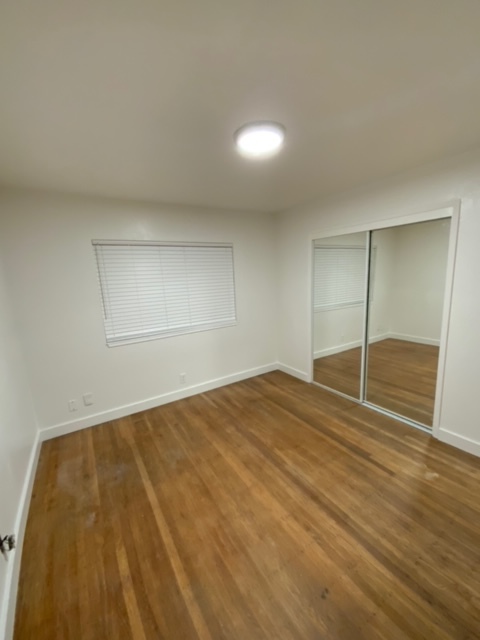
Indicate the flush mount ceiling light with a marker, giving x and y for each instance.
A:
(259, 140)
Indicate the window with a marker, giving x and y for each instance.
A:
(152, 289)
(339, 277)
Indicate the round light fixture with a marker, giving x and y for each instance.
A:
(259, 139)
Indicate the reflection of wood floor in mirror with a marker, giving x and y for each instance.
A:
(401, 376)
(340, 371)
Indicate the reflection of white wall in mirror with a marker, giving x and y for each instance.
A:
(419, 280)
(381, 278)
(336, 330)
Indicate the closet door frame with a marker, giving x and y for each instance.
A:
(448, 210)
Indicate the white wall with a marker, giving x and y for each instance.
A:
(424, 190)
(418, 282)
(46, 245)
(18, 432)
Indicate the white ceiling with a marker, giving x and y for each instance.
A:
(140, 99)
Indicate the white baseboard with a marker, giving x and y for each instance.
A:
(384, 336)
(7, 608)
(296, 373)
(322, 353)
(418, 339)
(379, 338)
(348, 345)
(127, 409)
(458, 441)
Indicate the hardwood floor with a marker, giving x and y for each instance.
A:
(268, 509)
(401, 376)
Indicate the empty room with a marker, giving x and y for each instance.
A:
(239, 320)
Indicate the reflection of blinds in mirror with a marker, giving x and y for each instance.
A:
(339, 277)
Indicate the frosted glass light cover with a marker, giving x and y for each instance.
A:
(260, 139)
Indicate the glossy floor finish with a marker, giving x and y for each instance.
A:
(266, 509)
(401, 376)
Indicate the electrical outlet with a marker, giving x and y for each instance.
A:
(183, 378)
(87, 399)
(72, 405)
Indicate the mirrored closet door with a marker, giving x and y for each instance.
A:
(378, 301)
(408, 266)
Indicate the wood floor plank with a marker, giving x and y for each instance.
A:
(264, 509)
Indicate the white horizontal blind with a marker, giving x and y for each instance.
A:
(339, 276)
(157, 289)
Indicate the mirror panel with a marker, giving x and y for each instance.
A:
(339, 274)
(408, 267)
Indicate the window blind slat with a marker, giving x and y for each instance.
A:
(164, 290)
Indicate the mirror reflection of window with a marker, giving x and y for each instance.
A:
(339, 302)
